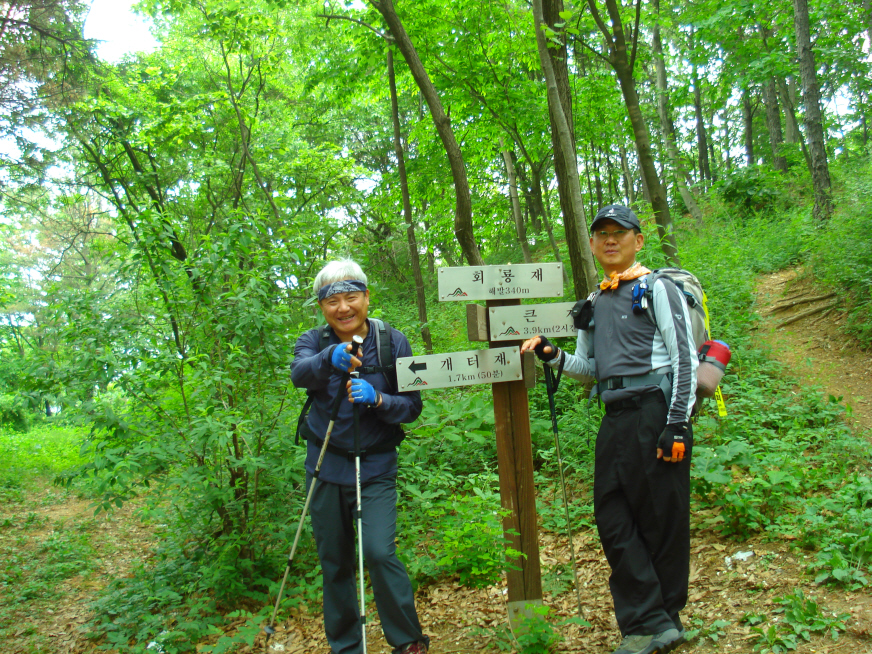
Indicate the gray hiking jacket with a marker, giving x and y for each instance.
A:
(628, 345)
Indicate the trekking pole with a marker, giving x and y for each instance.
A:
(551, 385)
(337, 401)
(355, 412)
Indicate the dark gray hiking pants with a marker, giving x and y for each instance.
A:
(334, 522)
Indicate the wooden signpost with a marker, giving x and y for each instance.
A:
(504, 324)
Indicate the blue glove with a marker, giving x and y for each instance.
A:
(341, 357)
(362, 392)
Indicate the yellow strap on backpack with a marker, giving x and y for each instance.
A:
(719, 397)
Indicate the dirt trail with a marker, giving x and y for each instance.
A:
(813, 348)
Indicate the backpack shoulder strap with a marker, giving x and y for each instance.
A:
(323, 341)
(383, 350)
(323, 336)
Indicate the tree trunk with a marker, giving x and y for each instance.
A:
(597, 178)
(792, 134)
(811, 97)
(748, 117)
(537, 207)
(705, 171)
(420, 299)
(520, 228)
(666, 124)
(463, 228)
(584, 275)
(629, 189)
(546, 221)
(532, 193)
(867, 5)
(773, 123)
(788, 101)
(620, 61)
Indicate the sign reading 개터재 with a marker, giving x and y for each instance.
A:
(524, 280)
(502, 364)
(527, 320)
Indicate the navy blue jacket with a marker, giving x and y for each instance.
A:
(313, 371)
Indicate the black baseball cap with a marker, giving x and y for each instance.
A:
(622, 215)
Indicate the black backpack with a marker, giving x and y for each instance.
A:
(383, 351)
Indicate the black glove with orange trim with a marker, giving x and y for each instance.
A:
(540, 349)
(673, 442)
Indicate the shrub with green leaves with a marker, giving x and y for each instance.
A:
(13, 413)
(802, 617)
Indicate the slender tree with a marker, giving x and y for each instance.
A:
(420, 298)
(621, 56)
(813, 120)
(583, 268)
(666, 124)
(463, 227)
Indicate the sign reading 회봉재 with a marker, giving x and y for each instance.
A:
(423, 373)
(527, 320)
(524, 280)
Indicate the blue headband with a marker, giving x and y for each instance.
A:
(344, 286)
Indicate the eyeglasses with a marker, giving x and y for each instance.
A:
(616, 233)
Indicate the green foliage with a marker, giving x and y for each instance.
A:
(13, 413)
(534, 633)
(841, 526)
(698, 629)
(531, 633)
(751, 190)
(802, 618)
(159, 603)
(841, 258)
(44, 450)
(453, 534)
(471, 539)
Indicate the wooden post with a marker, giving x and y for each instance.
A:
(517, 493)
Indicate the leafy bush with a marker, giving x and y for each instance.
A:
(802, 618)
(13, 413)
(751, 189)
(841, 257)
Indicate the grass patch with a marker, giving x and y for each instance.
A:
(44, 450)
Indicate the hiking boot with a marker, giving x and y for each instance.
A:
(412, 648)
(656, 644)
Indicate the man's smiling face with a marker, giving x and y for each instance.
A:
(346, 313)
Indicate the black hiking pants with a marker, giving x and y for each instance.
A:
(642, 509)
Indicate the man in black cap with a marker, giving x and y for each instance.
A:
(645, 366)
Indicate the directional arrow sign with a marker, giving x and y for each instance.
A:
(416, 366)
(459, 369)
(524, 280)
(523, 321)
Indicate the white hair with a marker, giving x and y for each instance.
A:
(336, 271)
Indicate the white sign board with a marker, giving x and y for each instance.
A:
(459, 369)
(527, 320)
(525, 280)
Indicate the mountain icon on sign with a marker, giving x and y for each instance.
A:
(418, 382)
(511, 331)
(458, 292)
